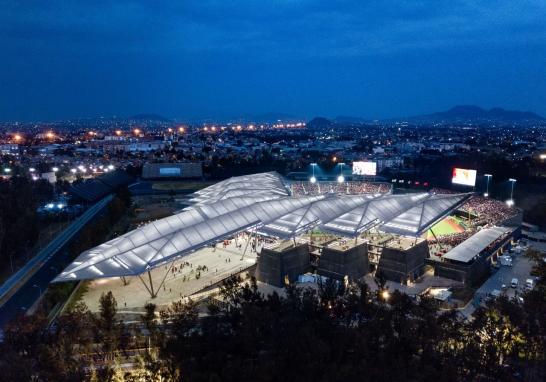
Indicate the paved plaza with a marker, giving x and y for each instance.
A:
(184, 277)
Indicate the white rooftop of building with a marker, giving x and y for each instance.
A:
(474, 245)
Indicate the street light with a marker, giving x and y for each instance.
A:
(511, 201)
(488, 176)
(313, 179)
(385, 295)
(39, 290)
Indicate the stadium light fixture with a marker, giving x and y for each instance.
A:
(513, 181)
(341, 178)
(7, 170)
(488, 176)
(313, 179)
(510, 202)
(32, 169)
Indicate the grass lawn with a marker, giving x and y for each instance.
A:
(447, 226)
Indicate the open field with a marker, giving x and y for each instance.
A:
(447, 226)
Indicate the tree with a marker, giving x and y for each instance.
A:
(109, 328)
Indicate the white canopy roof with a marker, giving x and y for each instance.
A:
(474, 245)
(267, 184)
(424, 214)
(270, 211)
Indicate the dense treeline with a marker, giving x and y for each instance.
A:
(330, 334)
(19, 198)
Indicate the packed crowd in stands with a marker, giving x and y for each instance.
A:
(487, 211)
(482, 210)
(348, 188)
(440, 245)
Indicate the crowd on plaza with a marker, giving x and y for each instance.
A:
(347, 188)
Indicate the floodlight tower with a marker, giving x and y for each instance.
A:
(511, 201)
(313, 179)
(341, 178)
(488, 176)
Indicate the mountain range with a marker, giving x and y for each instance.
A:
(474, 113)
(457, 114)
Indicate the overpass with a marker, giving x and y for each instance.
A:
(20, 290)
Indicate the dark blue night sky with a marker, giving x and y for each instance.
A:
(216, 59)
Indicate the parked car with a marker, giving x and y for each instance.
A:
(529, 284)
(514, 283)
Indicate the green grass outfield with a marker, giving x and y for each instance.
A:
(446, 226)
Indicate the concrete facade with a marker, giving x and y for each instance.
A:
(283, 262)
(336, 263)
(403, 265)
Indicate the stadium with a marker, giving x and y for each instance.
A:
(284, 232)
